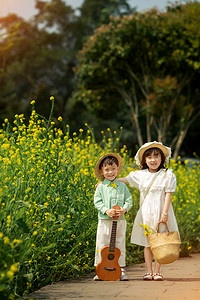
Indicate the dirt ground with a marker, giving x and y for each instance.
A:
(181, 281)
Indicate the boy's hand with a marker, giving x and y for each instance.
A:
(120, 212)
(111, 212)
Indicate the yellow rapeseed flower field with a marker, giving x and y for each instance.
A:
(48, 220)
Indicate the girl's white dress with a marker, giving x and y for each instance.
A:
(152, 207)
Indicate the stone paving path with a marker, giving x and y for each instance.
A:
(181, 281)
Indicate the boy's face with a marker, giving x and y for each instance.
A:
(109, 171)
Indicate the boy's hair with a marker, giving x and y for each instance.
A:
(109, 160)
(155, 151)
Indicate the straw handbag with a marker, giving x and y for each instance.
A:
(164, 246)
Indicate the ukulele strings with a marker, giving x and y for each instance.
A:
(113, 236)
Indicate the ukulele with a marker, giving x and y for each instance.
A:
(108, 268)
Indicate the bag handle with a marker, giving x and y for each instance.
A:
(157, 228)
(150, 186)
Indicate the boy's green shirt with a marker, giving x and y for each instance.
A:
(106, 196)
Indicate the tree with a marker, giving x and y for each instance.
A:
(17, 44)
(95, 13)
(150, 61)
(37, 57)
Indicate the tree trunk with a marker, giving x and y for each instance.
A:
(134, 119)
(133, 111)
(179, 142)
(148, 126)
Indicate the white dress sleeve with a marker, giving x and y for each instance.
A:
(134, 179)
(170, 186)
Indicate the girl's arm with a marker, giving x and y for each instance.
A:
(96, 185)
(124, 180)
(164, 216)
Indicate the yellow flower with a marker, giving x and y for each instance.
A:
(15, 241)
(8, 220)
(6, 240)
(14, 267)
(147, 229)
(32, 102)
(60, 119)
(10, 274)
(52, 98)
(113, 185)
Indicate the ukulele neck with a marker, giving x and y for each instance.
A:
(113, 236)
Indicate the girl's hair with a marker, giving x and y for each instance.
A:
(155, 151)
(109, 160)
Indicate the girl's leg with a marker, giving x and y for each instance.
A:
(157, 267)
(148, 256)
(157, 276)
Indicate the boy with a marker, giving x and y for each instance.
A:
(108, 193)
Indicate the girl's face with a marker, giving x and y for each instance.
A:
(109, 171)
(153, 161)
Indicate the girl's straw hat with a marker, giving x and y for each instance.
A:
(166, 151)
(97, 170)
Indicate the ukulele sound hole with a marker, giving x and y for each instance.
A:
(111, 256)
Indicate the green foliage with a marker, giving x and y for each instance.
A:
(149, 62)
(95, 13)
(8, 264)
(186, 203)
(46, 199)
(37, 57)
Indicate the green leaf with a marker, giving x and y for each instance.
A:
(22, 225)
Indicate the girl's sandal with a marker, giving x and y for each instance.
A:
(157, 277)
(148, 276)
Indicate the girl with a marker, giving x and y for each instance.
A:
(155, 184)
